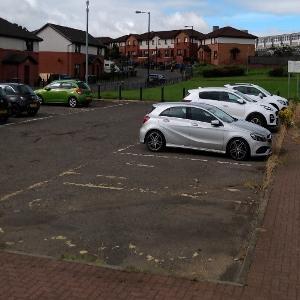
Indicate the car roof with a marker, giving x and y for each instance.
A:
(67, 80)
(211, 89)
(188, 104)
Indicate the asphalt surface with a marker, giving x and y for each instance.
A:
(75, 183)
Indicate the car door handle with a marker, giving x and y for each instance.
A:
(166, 120)
(194, 124)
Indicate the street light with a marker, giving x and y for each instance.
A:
(87, 43)
(148, 67)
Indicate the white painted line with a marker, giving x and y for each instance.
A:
(140, 165)
(186, 158)
(112, 177)
(126, 148)
(62, 115)
(95, 186)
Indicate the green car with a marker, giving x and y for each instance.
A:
(71, 92)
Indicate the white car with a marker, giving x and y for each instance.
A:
(259, 94)
(235, 104)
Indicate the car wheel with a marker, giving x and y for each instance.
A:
(73, 102)
(257, 119)
(40, 99)
(32, 112)
(238, 149)
(155, 141)
(16, 110)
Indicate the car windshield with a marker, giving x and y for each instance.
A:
(220, 114)
(248, 99)
(1, 92)
(265, 91)
(83, 85)
(24, 89)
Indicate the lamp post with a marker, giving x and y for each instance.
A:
(148, 56)
(87, 43)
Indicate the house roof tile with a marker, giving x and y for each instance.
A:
(230, 32)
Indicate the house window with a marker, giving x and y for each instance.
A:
(29, 45)
(99, 51)
(166, 53)
(152, 42)
(77, 48)
(179, 52)
(177, 40)
(215, 54)
(185, 40)
(166, 42)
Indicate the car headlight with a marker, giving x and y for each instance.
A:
(282, 102)
(266, 107)
(258, 137)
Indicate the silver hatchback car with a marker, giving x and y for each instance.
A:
(203, 127)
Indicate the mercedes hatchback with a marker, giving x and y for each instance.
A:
(71, 92)
(203, 127)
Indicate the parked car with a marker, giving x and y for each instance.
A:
(54, 77)
(203, 127)
(4, 108)
(21, 98)
(157, 79)
(71, 92)
(236, 104)
(259, 94)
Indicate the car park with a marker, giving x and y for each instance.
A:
(203, 127)
(259, 94)
(21, 98)
(4, 107)
(71, 92)
(236, 104)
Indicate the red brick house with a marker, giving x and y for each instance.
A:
(165, 46)
(63, 51)
(227, 46)
(19, 56)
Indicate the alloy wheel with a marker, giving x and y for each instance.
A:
(155, 141)
(238, 149)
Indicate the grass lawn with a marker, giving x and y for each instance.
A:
(174, 92)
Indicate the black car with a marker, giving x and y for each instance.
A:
(4, 108)
(21, 98)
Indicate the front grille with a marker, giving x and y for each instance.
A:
(272, 118)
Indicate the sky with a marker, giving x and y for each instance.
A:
(115, 18)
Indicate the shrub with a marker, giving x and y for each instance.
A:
(286, 116)
(278, 72)
(224, 71)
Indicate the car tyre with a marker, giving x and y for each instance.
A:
(73, 102)
(257, 119)
(16, 110)
(238, 149)
(40, 99)
(155, 141)
(32, 112)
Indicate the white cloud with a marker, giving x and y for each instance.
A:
(107, 18)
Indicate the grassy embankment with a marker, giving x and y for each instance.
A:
(174, 92)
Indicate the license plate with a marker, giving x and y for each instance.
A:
(33, 105)
(3, 111)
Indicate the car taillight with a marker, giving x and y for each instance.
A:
(78, 91)
(146, 118)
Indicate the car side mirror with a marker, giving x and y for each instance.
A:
(261, 95)
(216, 123)
(241, 101)
(47, 89)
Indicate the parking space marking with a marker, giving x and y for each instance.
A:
(109, 187)
(140, 165)
(112, 177)
(186, 158)
(62, 115)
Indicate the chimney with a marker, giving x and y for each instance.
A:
(215, 28)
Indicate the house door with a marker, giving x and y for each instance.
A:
(26, 74)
